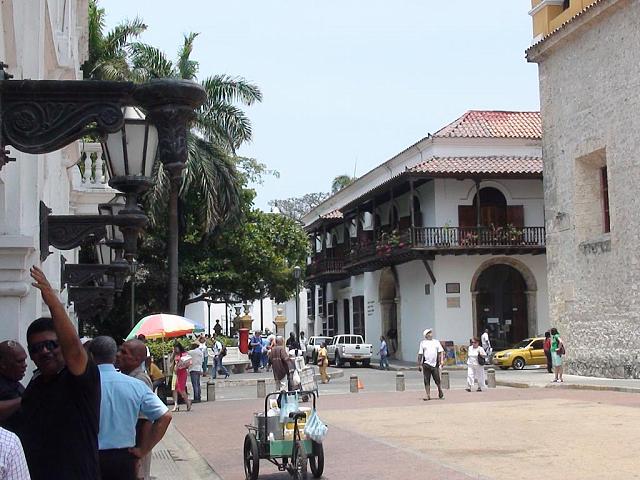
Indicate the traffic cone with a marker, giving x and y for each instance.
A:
(360, 385)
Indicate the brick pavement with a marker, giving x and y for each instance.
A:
(389, 447)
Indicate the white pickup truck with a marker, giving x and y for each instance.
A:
(349, 348)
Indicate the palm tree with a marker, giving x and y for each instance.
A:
(219, 128)
(340, 182)
(108, 52)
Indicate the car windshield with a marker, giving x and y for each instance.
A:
(522, 344)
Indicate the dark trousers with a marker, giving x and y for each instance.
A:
(427, 372)
(549, 364)
(255, 360)
(117, 464)
(195, 383)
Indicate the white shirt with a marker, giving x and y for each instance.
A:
(472, 355)
(196, 360)
(484, 338)
(203, 347)
(13, 465)
(430, 349)
(217, 348)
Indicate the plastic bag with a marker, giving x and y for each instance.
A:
(288, 404)
(315, 429)
(295, 379)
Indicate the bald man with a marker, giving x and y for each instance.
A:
(13, 365)
(131, 359)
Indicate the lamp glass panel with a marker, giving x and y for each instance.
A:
(104, 254)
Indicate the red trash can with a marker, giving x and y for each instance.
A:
(243, 340)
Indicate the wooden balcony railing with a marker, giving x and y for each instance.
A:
(326, 266)
(469, 237)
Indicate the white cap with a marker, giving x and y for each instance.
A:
(428, 330)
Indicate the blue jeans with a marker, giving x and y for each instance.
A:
(205, 364)
(384, 362)
(217, 365)
(195, 383)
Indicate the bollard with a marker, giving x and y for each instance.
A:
(444, 381)
(353, 384)
(262, 388)
(211, 391)
(491, 378)
(399, 382)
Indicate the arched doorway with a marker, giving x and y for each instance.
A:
(504, 300)
(388, 296)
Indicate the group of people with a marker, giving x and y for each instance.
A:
(78, 417)
(554, 351)
(260, 348)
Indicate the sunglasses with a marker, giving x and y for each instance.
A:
(50, 345)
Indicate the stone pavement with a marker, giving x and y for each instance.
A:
(487, 435)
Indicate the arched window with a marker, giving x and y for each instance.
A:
(417, 214)
(493, 207)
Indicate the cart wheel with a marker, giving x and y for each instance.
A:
(300, 462)
(251, 457)
(316, 460)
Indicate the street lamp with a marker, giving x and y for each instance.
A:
(297, 272)
(260, 291)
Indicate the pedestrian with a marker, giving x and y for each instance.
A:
(218, 355)
(13, 366)
(323, 362)
(264, 359)
(59, 415)
(181, 364)
(384, 354)
(218, 328)
(547, 350)
(486, 342)
(557, 351)
(202, 345)
(157, 376)
(280, 364)
(476, 356)
(128, 360)
(13, 465)
(430, 358)
(293, 344)
(195, 370)
(123, 398)
(256, 350)
(303, 342)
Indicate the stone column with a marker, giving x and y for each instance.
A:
(532, 312)
(280, 322)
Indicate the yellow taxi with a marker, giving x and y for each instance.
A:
(527, 352)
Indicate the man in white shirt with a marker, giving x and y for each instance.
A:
(486, 343)
(195, 370)
(430, 359)
(13, 465)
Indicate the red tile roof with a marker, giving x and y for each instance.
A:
(492, 165)
(494, 124)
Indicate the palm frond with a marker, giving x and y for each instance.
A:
(224, 88)
(212, 174)
(157, 196)
(187, 68)
(120, 36)
(222, 122)
(150, 62)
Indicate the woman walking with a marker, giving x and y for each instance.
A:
(323, 362)
(475, 370)
(384, 354)
(557, 351)
(182, 361)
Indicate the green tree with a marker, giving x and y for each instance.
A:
(108, 55)
(340, 182)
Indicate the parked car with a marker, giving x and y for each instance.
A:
(313, 345)
(527, 352)
(349, 348)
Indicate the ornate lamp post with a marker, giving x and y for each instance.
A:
(297, 272)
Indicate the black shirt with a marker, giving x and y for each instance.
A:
(10, 389)
(58, 426)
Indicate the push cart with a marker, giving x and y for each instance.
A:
(265, 440)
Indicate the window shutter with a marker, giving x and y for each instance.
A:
(466, 216)
(515, 215)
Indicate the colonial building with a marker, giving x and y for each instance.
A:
(589, 64)
(45, 39)
(447, 234)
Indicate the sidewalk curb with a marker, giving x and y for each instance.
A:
(569, 386)
(175, 457)
(401, 368)
(248, 382)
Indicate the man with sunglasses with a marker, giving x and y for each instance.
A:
(59, 417)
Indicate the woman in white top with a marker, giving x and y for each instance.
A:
(475, 371)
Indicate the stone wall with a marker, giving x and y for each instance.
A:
(590, 102)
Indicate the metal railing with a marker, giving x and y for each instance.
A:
(326, 265)
(507, 236)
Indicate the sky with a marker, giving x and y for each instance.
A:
(347, 84)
